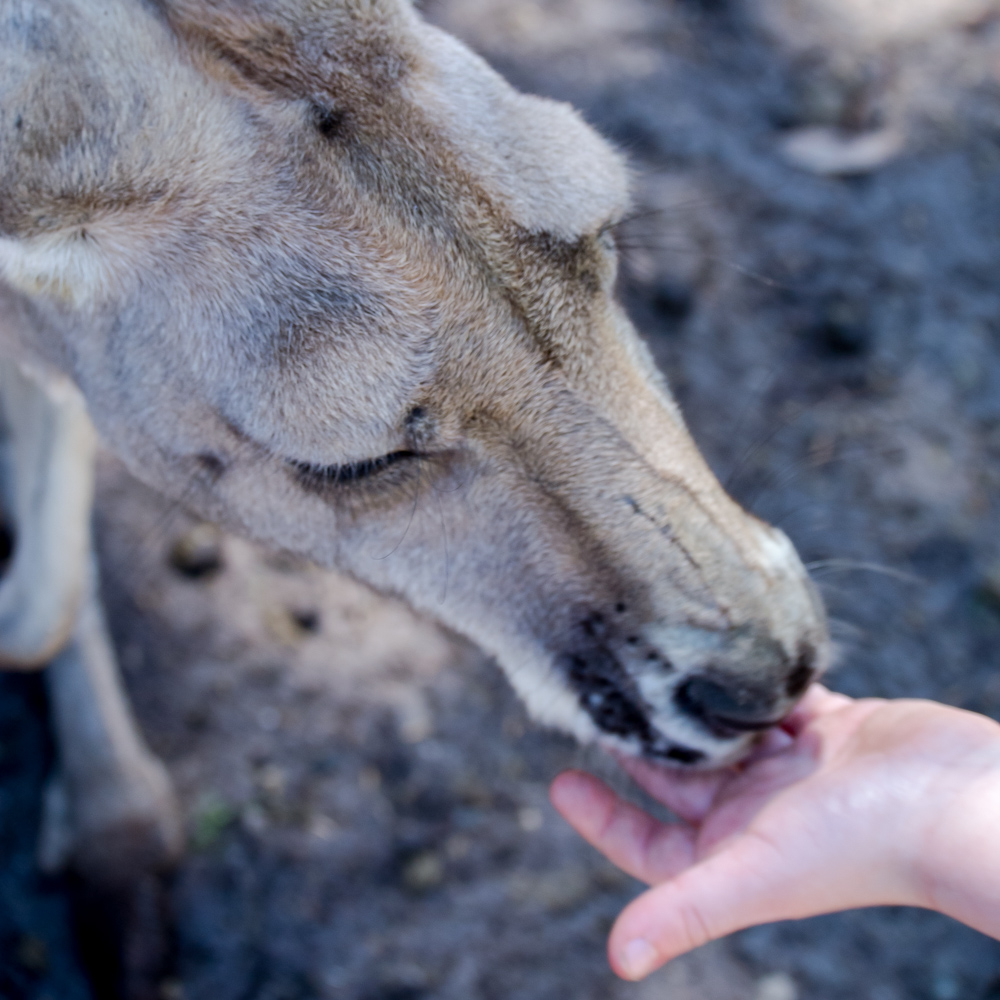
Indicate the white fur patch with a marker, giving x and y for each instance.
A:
(547, 695)
(65, 265)
(777, 551)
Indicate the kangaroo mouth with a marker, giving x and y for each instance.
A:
(609, 696)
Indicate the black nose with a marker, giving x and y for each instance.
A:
(727, 709)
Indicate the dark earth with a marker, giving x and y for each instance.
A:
(365, 799)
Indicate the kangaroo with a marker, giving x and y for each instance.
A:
(322, 274)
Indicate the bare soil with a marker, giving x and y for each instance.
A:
(365, 799)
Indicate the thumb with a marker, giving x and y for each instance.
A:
(746, 883)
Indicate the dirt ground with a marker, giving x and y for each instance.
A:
(365, 799)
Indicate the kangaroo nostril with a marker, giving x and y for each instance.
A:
(701, 697)
(803, 672)
(723, 709)
(798, 680)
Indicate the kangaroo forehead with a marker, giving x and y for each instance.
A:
(377, 77)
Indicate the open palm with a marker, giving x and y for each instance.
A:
(838, 809)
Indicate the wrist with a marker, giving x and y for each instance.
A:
(956, 869)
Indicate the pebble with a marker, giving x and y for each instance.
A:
(197, 554)
(831, 152)
(554, 891)
(530, 819)
(424, 871)
(776, 986)
(211, 819)
(33, 954)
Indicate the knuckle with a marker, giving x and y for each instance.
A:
(694, 926)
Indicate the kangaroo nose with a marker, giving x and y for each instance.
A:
(727, 710)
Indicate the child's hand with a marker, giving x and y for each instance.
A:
(850, 804)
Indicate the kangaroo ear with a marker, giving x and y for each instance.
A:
(301, 47)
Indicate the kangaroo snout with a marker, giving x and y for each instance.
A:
(697, 670)
(645, 704)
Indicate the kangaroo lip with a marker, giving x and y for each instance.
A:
(675, 753)
(719, 723)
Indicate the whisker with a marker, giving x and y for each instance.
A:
(646, 212)
(779, 519)
(755, 447)
(842, 627)
(444, 537)
(852, 565)
(413, 511)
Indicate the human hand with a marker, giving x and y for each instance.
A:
(848, 804)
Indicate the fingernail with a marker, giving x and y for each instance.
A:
(638, 959)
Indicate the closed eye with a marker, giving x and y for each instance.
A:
(351, 472)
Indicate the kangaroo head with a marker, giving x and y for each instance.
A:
(325, 276)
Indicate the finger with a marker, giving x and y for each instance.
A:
(817, 701)
(750, 881)
(690, 795)
(774, 741)
(727, 892)
(625, 835)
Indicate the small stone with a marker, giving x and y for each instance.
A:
(211, 819)
(33, 953)
(171, 989)
(281, 624)
(290, 626)
(842, 330)
(945, 986)
(555, 891)
(370, 779)
(413, 717)
(458, 846)
(525, 19)
(530, 819)
(776, 986)
(272, 780)
(831, 152)
(322, 827)
(197, 554)
(423, 872)
(307, 619)
(823, 100)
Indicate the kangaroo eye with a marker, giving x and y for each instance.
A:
(352, 472)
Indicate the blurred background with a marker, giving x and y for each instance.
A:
(814, 260)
